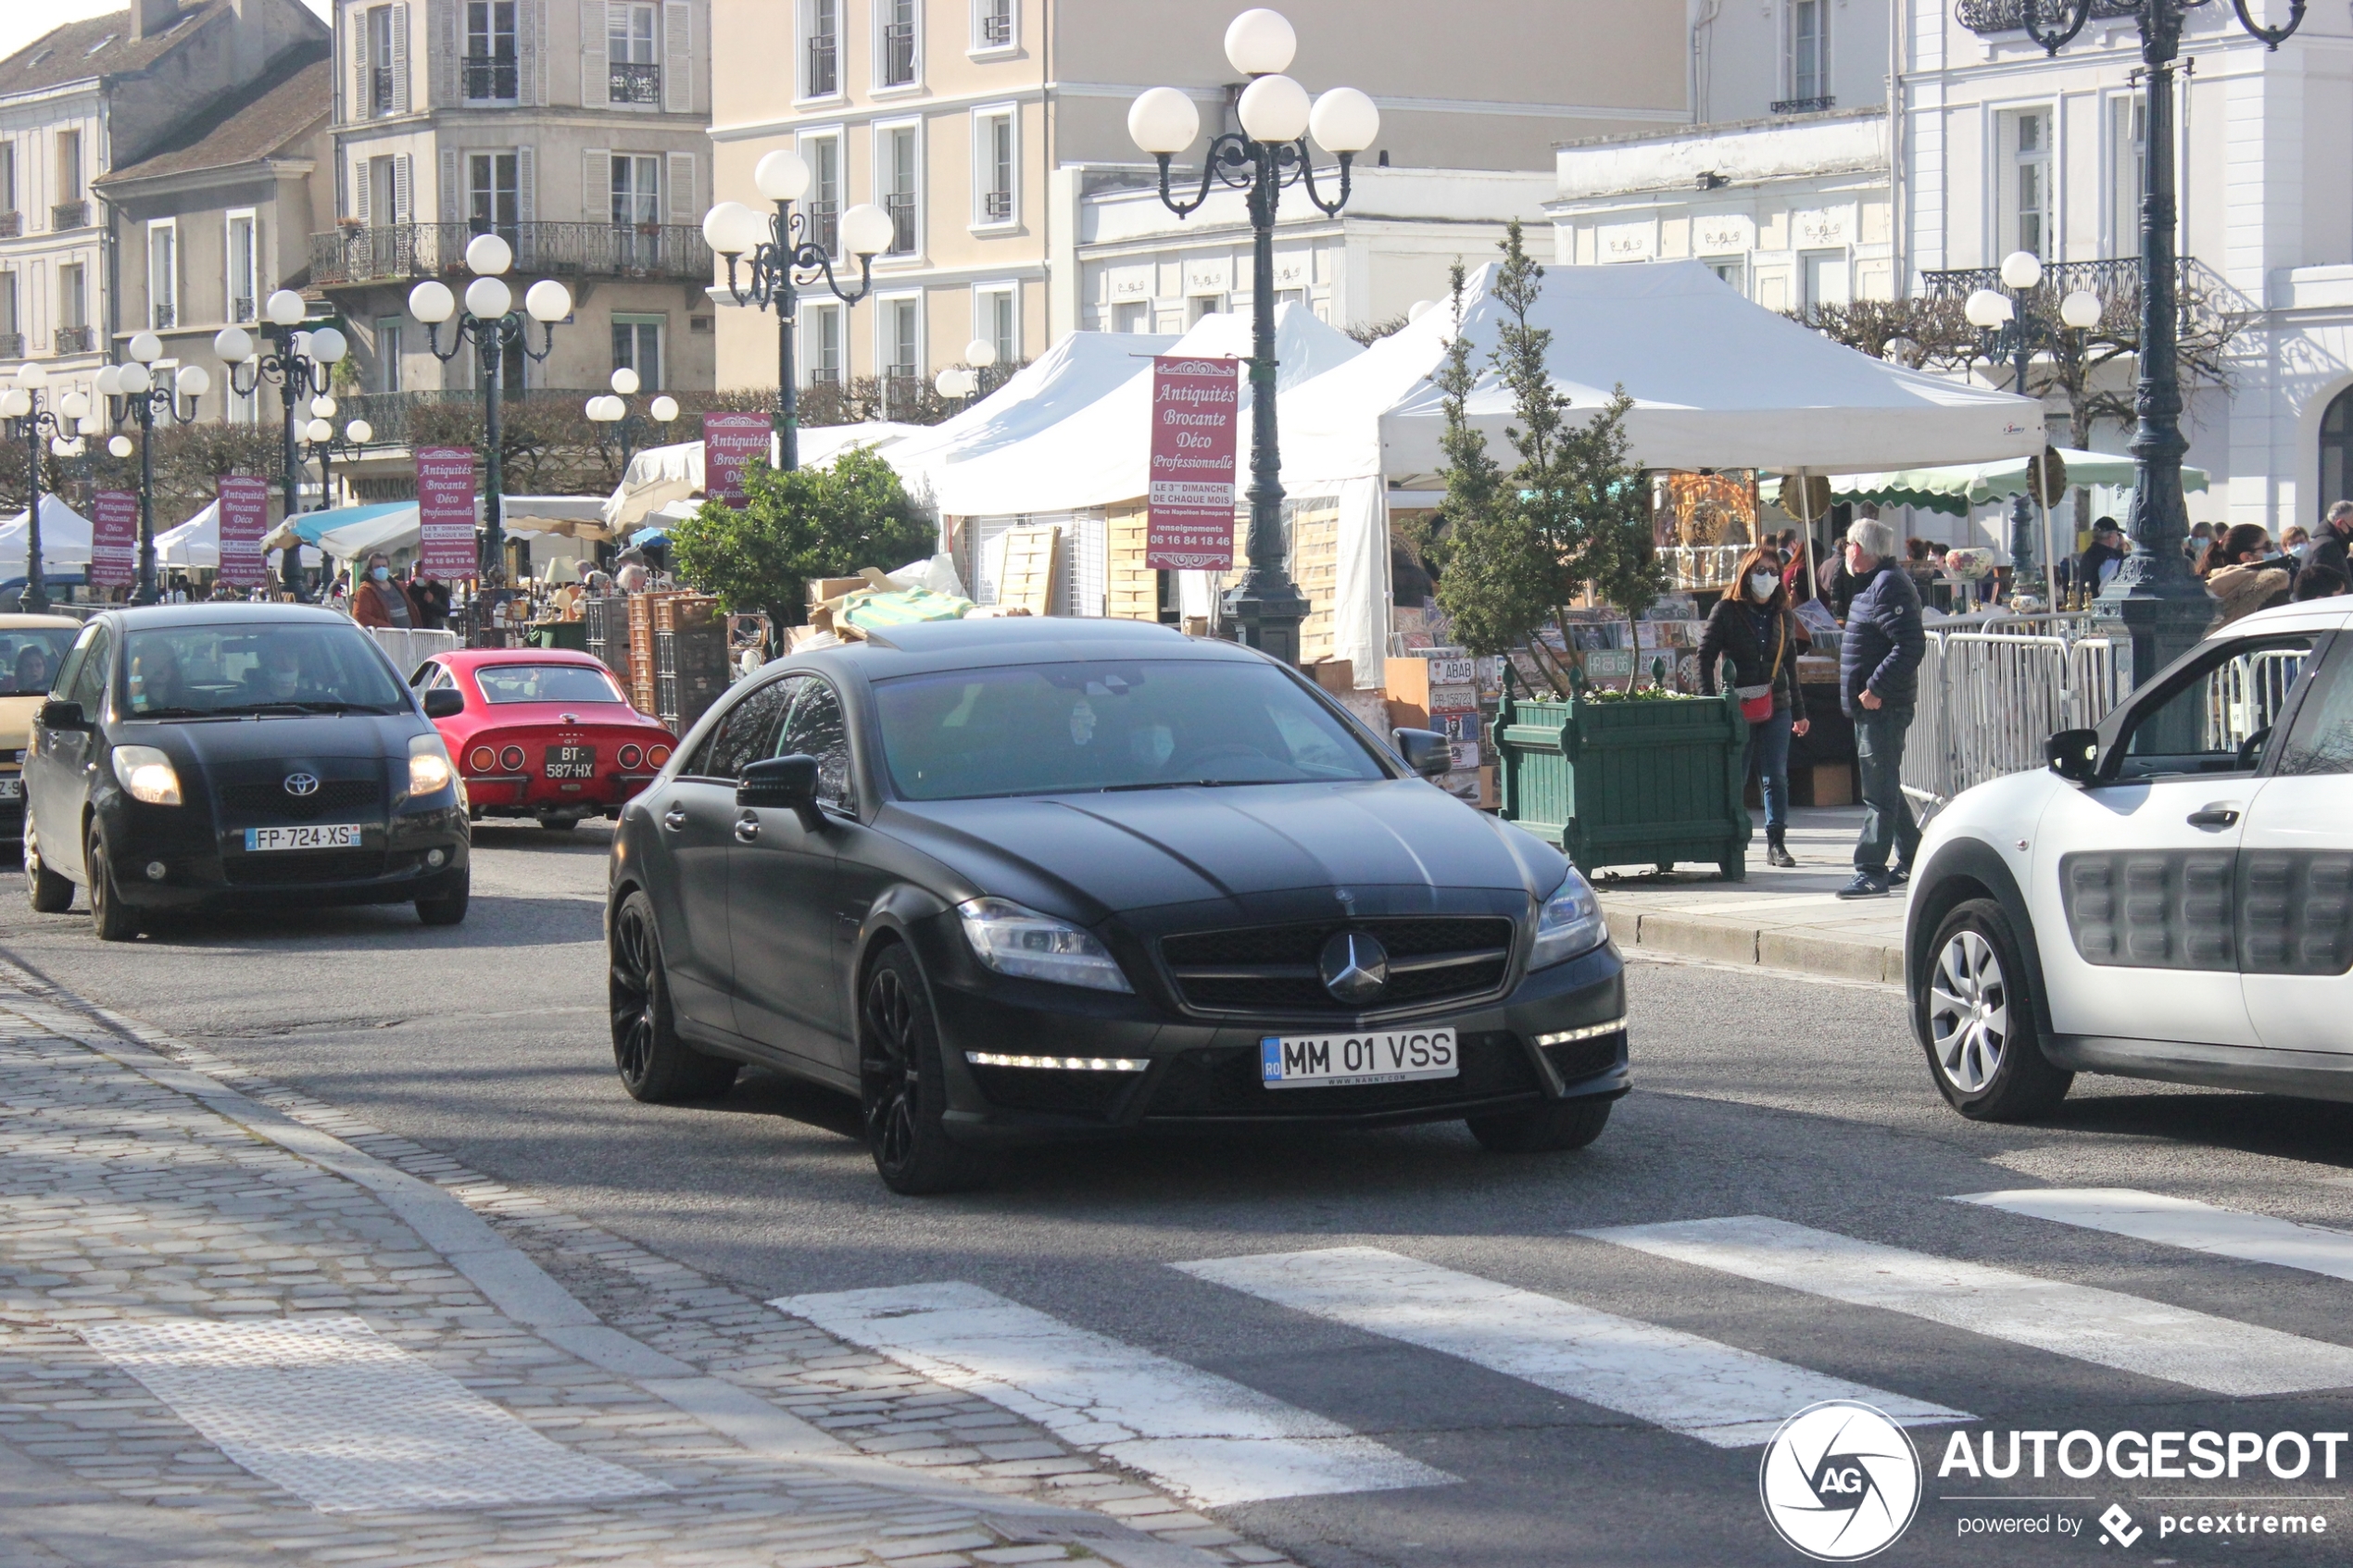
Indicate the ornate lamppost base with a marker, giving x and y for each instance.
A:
(1265, 617)
(2157, 621)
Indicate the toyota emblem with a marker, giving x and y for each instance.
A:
(1355, 967)
(302, 783)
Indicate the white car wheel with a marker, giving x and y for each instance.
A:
(1969, 1011)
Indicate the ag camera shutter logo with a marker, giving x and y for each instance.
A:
(1840, 1481)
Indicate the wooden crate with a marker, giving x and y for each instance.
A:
(1032, 556)
(1131, 589)
(683, 612)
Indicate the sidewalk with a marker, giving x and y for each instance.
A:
(1788, 920)
(239, 1329)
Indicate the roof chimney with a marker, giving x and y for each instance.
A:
(151, 16)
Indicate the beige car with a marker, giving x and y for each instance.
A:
(31, 647)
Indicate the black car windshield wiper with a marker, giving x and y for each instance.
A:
(267, 708)
(1192, 783)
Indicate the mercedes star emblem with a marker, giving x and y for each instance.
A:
(1354, 966)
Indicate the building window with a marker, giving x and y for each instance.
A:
(70, 209)
(493, 195)
(388, 336)
(383, 192)
(1822, 279)
(902, 353)
(11, 216)
(377, 75)
(163, 275)
(993, 200)
(491, 75)
(1202, 306)
(2026, 185)
(1809, 51)
(822, 72)
(992, 24)
(1730, 269)
(821, 343)
(73, 310)
(2128, 146)
(897, 58)
(900, 166)
(1136, 316)
(996, 322)
(636, 345)
(637, 210)
(822, 208)
(243, 275)
(11, 324)
(629, 55)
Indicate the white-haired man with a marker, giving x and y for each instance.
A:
(2330, 546)
(1879, 662)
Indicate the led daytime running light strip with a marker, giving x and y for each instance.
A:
(1589, 1032)
(1066, 1063)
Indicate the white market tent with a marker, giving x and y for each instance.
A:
(660, 476)
(351, 532)
(65, 538)
(196, 543)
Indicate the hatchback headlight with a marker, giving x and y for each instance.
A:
(1012, 940)
(147, 773)
(429, 769)
(1570, 924)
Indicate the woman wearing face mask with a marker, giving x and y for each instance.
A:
(378, 600)
(1752, 627)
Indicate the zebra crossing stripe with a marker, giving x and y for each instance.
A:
(2181, 1221)
(1208, 1438)
(2106, 1327)
(1719, 1394)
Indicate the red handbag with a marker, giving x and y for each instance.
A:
(1756, 702)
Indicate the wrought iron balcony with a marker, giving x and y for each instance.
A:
(11, 225)
(400, 252)
(997, 26)
(901, 208)
(402, 419)
(825, 225)
(71, 340)
(996, 206)
(241, 308)
(2116, 278)
(165, 314)
(824, 62)
(2010, 15)
(1802, 106)
(70, 215)
(11, 345)
(899, 54)
(492, 79)
(379, 92)
(632, 83)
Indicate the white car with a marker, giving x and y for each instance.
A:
(2171, 898)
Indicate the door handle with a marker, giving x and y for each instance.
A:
(746, 829)
(675, 819)
(2214, 817)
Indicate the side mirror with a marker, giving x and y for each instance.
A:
(445, 702)
(2074, 755)
(784, 784)
(1425, 751)
(60, 714)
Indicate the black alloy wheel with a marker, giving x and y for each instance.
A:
(1548, 1129)
(903, 1088)
(50, 894)
(112, 919)
(655, 1065)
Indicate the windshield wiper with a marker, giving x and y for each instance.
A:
(268, 708)
(1192, 783)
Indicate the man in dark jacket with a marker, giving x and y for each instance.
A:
(1878, 663)
(2330, 546)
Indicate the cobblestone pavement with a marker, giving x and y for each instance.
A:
(154, 1195)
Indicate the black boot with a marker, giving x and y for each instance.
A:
(1776, 851)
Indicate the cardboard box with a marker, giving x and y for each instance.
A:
(823, 588)
(1334, 674)
(1825, 783)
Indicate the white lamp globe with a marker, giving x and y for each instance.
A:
(781, 175)
(489, 297)
(980, 353)
(1986, 309)
(664, 409)
(609, 409)
(327, 345)
(1343, 121)
(488, 255)
(15, 403)
(33, 376)
(949, 383)
(74, 404)
(2082, 309)
(1260, 43)
(548, 300)
(120, 446)
(2021, 270)
(61, 447)
(147, 348)
(1274, 109)
(1162, 120)
(624, 381)
(430, 302)
(194, 381)
(733, 228)
(110, 381)
(284, 308)
(90, 424)
(136, 381)
(322, 407)
(318, 430)
(359, 433)
(234, 345)
(866, 230)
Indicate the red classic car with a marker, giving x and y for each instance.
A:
(544, 733)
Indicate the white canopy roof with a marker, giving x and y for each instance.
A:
(659, 475)
(195, 542)
(65, 538)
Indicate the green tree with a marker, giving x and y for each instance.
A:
(793, 527)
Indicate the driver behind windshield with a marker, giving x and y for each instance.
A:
(276, 676)
(32, 672)
(155, 684)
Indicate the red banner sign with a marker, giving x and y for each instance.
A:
(1196, 409)
(729, 441)
(114, 539)
(446, 513)
(245, 518)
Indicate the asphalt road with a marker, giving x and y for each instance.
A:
(1756, 1095)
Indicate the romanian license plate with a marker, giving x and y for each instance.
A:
(571, 762)
(340, 835)
(1382, 1057)
(12, 788)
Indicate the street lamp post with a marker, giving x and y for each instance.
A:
(134, 392)
(774, 249)
(2012, 329)
(21, 404)
(612, 408)
(492, 324)
(1266, 608)
(319, 435)
(301, 363)
(2163, 609)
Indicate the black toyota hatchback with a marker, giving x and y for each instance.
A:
(1012, 879)
(237, 755)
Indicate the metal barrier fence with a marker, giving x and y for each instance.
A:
(1989, 701)
(407, 649)
(2245, 697)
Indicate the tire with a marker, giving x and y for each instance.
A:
(112, 919)
(50, 894)
(903, 1090)
(448, 908)
(1548, 1129)
(560, 824)
(655, 1065)
(1976, 1015)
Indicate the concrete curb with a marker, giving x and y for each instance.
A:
(1738, 942)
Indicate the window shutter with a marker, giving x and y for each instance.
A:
(360, 100)
(677, 56)
(453, 192)
(595, 186)
(401, 101)
(534, 64)
(594, 86)
(441, 53)
(359, 206)
(682, 188)
(526, 187)
(404, 189)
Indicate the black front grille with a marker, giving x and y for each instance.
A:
(1053, 1089)
(287, 867)
(271, 799)
(1582, 1058)
(1224, 1080)
(1204, 963)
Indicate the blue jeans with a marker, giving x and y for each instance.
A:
(1887, 815)
(1769, 765)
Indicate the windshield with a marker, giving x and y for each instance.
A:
(1047, 729)
(545, 682)
(191, 671)
(30, 657)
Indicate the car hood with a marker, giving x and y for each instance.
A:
(217, 742)
(1094, 855)
(16, 719)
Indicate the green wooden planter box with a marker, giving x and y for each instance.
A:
(1619, 783)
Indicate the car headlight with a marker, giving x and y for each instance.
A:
(429, 769)
(147, 773)
(1012, 940)
(1570, 924)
